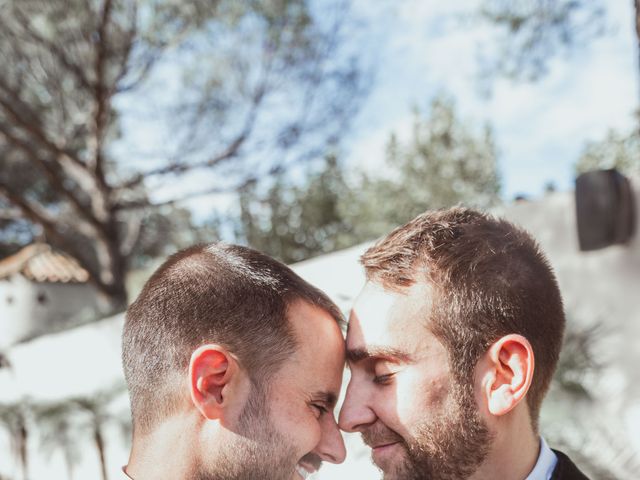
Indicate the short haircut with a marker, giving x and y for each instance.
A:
(217, 293)
(489, 278)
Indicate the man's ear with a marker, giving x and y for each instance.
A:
(508, 373)
(212, 369)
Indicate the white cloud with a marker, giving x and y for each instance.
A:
(540, 128)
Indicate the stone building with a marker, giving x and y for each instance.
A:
(42, 290)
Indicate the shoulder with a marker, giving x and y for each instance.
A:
(566, 469)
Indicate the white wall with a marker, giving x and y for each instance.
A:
(598, 287)
(23, 315)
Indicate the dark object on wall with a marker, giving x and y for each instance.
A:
(4, 361)
(605, 209)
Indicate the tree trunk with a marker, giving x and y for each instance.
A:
(111, 271)
(22, 448)
(636, 4)
(119, 263)
(99, 442)
(68, 461)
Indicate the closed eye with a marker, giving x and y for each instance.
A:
(383, 379)
(321, 409)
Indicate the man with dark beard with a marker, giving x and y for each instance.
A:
(457, 310)
(233, 364)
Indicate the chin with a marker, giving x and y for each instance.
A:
(391, 471)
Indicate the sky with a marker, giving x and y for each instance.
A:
(425, 47)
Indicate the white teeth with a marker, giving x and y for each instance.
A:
(302, 471)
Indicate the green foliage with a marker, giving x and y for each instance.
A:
(14, 419)
(168, 229)
(535, 31)
(14, 234)
(443, 164)
(618, 150)
(571, 419)
(65, 426)
(58, 431)
(294, 222)
(578, 361)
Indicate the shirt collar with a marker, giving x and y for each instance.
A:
(545, 465)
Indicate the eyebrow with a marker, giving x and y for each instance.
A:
(326, 397)
(359, 354)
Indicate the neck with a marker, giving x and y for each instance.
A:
(165, 453)
(515, 448)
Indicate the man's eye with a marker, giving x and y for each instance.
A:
(321, 409)
(383, 379)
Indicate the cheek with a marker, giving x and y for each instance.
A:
(417, 396)
(298, 425)
(308, 434)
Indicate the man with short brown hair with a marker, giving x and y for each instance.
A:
(233, 364)
(457, 310)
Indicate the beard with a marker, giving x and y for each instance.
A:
(449, 446)
(257, 451)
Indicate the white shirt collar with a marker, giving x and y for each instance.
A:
(545, 465)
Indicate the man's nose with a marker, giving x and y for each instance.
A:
(331, 447)
(355, 413)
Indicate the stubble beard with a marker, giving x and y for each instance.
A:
(258, 451)
(450, 446)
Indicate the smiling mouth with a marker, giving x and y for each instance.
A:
(304, 471)
(384, 445)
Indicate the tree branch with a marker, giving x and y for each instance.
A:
(92, 224)
(126, 54)
(101, 95)
(10, 214)
(636, 4)
(40, 216)
(55, 50)
(32, 127)
(100, 195)
(132, 234)
(230, 152)
(33, 212)
(138, 204)
(179, 168)
(142, 74)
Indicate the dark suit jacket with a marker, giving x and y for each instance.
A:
(566, 470)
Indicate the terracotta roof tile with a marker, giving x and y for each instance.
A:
(40, 263)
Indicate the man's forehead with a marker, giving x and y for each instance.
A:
(319, 357)
(379, 315)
